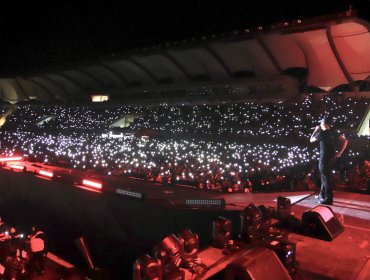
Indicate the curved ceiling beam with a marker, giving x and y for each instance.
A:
(219, 59)
(305, 59)
(333, 47)
(269, 53)
(21, 88)
(41, 86)
(91, 76)
(177, 64)
(138, 64)
(70, 79)
(200, 63)
(115, 72)
(55, 83)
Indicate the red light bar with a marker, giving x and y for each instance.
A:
(93, 184)
(10, 158)
(46, 173)
(16, 166)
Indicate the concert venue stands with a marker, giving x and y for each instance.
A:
(194, 123)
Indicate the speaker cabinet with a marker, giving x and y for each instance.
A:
(258, 264)
(322, 223)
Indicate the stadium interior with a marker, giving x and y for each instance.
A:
(193, 160)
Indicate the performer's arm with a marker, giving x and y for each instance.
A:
(344, 143)
(313, 138)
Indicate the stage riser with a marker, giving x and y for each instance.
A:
(139, 224)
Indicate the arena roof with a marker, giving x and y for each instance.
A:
(325, 54)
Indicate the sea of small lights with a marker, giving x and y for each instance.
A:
(172, 159)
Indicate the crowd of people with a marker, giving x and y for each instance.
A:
(233, 147)
(21, 255)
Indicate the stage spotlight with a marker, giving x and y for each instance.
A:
(169, 251)
(251, 223)
(190, 258)
(283, 207)
(190, 243)
(147, 268)
(221, 233)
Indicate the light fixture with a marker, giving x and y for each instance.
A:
(46, 173)
(130, 194)
(145, 267)
(251, 223)
(169, 252)
(93, 184)
(190, 242)
(10, 158)
(221, 233)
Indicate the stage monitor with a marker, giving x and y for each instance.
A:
(322, 223)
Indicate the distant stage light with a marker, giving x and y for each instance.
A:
(10, 159)
(93, 184)
(46, 173)
(16, 167)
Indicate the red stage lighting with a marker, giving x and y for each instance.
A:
(10, 158)
(16, 167)
(94, 184)
(46, 173)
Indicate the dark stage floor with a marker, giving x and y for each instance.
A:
(345, 257)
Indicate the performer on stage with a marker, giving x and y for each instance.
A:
(328, 139)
